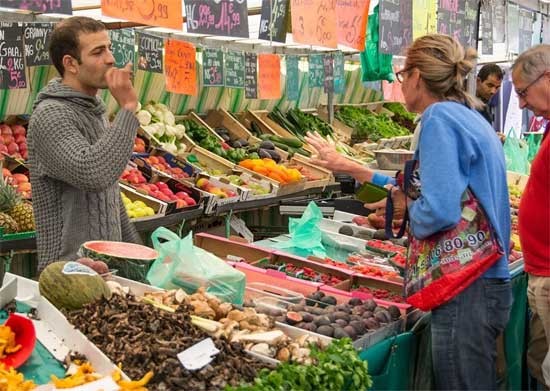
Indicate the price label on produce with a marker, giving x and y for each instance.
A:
(163, 13)
(269, 76)
(12, 62)
(180, 67)
(314, 22)
(198, 355)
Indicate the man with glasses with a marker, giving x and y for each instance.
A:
(76, 156)
(531, 79)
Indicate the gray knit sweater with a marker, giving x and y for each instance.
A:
(76, 158)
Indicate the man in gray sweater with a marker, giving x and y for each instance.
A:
(76, 156)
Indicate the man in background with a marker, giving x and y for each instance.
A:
(489, 80)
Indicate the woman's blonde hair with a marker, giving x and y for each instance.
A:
(444, 66)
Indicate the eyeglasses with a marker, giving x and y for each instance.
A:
(399, 75)
(523, 92)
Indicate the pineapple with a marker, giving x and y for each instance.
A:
(19, 211)
(8, 224)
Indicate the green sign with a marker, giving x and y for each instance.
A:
(292, 77)
(123, 42)
(212, 68)
(316, 71)
(339, 81)
(234, 69)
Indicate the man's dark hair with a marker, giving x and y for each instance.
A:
(65, 38)
(488, 70)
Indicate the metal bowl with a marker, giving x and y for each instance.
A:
(392, 159)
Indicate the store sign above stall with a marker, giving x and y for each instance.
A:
(12, 61)
(41, 6)
(180, 67)
(274, 20)
(162, 13)
(351, 19)
(314, 22)
(217, 17)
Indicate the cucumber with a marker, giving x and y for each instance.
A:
(291, 142)
(303, 152)
(282, 146)
(255, 128)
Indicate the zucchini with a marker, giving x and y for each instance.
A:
(255, 128)
(291, 142)
(279, 145)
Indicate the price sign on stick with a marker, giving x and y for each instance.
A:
(149, 52)
(328, 66)
(180, 67)
(12, 62)
(234, 69)
(269, 76)
(314, 22)
(37, 40)
(351, 19)
(212, 67)
(250, 76)
(163, 13)
(316, 72)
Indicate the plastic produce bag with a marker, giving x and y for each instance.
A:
(305, 234)
(182, 265)
(517, 153)
(533, 141)
(375, 65)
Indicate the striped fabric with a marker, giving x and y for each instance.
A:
(151, 86)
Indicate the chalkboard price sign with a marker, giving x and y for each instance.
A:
(525, 29)
(498, 8)
(316, 74)
(220, 17)
(450, 18)
(123, 43)
(37, 40)
(234, 69)
(274, 21)
(487, 28)
(42, 6)
(339, 81)
(150, 52)
(251, 76)
(470, 24)
(395, 26)
(328, 65)
(12, 62)
(292, 77)
(212, 68)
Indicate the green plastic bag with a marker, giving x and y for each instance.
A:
(533, 141)
(182, 265)
(305, 234)
(375, 65)
(516, 152)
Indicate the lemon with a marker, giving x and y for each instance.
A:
(140, 204)
(131, 214)
(150, 211)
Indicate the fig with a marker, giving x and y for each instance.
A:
(341, 315)
(296, 307)
(394, 312)
(307, 317)
(371, 324)
(355, 301)
(355, 317)
(330, 309)
(317, 311)
(379, 309)
(325, 330)
(300, 325)
(331, 316)
(341, 322)
(293, 318)
(340, 333)
(311, 300)
(328, 300)
(358, 326)
(281, 319)
(351, 332)
(367, 314)
(310, 326)
(370, 305)
(343, 308)
(322, 321)
(359, 310)
(383, 316)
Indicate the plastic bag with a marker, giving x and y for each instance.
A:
(375, 65)
(305, 234)
(517, 153)
(182, 265)
(533, 142)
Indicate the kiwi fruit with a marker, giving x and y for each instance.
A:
(325, 330)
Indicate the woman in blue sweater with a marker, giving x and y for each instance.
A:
(457, 149)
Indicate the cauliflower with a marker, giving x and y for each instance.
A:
(144, 117)
(171, 148)
(180, 130)
(170, 131)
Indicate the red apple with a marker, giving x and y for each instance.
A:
(13, 148)
(6, 130)
(18, 130)
(167, 192)
(8, 139)
(20, 138)
(24, 154)
(180, 203)
(181, 195)
(190, 201)
(3, 148)
(162, 185)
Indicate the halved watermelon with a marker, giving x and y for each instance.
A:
(131, 260)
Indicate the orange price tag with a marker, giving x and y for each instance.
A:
(352, 17)
(163, 13)
(314, 22)
(180, 67)
(269, 76)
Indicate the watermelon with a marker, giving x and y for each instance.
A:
(70, 285)
(131, 260)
